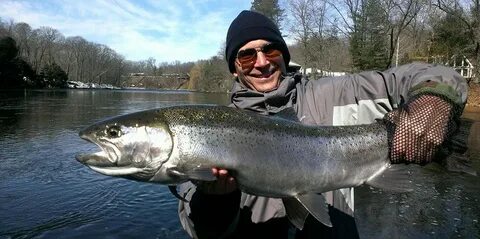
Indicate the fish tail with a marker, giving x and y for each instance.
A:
(454, 154)
(458, 142)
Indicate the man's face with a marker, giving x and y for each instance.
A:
(264, 72)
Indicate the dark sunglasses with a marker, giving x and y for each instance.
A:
(248, 57)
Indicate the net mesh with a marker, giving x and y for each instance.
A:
(417, 129)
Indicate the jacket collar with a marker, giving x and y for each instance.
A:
(266, 102)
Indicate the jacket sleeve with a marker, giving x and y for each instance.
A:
(406, 81)
(361, 98)
(208, 216)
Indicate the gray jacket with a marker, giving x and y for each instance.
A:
(346, 100)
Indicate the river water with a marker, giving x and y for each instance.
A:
(46, 193)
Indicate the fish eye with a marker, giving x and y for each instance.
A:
(113, 131)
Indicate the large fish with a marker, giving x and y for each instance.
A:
(269, 156)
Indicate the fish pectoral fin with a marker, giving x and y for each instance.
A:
(396, 178)
(296, 212)
(459, 163)
(175, 172)
(173, 190)
(317, 206)
(201, 174)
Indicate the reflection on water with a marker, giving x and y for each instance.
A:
(44, 192)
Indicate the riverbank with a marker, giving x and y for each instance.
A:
(473, 99)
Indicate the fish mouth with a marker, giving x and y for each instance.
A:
(100, 163)
(103, 161)
(108, 156)
(116, 171)
(99, 159)
(106, 160)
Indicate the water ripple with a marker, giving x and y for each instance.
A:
(70, 219)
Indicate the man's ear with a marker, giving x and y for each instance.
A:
(235, 74)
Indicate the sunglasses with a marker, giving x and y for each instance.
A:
(248, 57)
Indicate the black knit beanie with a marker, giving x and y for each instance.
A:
(248, 26)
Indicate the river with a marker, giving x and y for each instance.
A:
(46, 193)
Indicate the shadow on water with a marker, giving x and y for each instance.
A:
(45, 193)
(14, 105)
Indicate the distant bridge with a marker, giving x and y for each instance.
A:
(164, 81)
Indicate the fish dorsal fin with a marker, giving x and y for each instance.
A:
(296, 212)
(287, 114)
(317, 206)
(396, 178)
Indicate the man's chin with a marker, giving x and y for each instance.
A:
(266, 86)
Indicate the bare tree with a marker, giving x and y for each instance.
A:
(301, 27)
(401, 13)
(392, 18)
(23, 34)
(42, 52)
(80, 47)
(80, 59)
(65, 56)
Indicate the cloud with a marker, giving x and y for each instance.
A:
(166, 31)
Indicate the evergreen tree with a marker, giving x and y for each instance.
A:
(8, 49)
(368, 42)
(53, 76)
(14, 72)
(269, 8)
(450, 36)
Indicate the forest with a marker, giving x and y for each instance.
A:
(341, 36)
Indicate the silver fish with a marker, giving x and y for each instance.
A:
(268, 156)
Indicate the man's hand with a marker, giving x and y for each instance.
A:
(224, 184)
(419, 129)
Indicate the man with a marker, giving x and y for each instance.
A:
(428, 99)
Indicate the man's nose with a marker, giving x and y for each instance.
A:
(261, 60)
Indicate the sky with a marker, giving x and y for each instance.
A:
(183, 30)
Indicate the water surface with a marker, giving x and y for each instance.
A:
(46, 193)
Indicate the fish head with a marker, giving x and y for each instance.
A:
(133, 146)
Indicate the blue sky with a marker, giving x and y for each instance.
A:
(184, 30)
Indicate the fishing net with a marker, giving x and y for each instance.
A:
(418, 128)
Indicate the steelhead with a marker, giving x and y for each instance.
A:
(269, 156)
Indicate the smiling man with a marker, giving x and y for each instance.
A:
(422, 101)
(260, 65)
